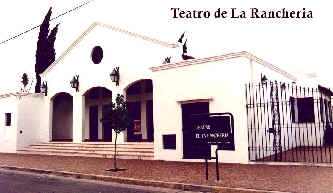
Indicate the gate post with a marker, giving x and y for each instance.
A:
(274, 95)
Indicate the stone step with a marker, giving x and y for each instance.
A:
(84, 151)
(131, 150)
(119, 156)
(137, 145)
(87, 147)
(98, 142)
(91, 149)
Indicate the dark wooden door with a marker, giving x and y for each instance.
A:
(93, 122)
(107, 131)
(150, 121)
(134, 109)
(190, 149)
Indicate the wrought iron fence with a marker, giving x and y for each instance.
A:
(289, 123)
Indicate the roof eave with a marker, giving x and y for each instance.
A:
(244, 54)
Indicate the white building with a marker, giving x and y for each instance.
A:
(161, 96)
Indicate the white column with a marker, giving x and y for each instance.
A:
(124, 132)
(50, 118)
(86, 129)
(100, 125)
(78, 117)
(100, 107)
(143, 118)
(143, 110)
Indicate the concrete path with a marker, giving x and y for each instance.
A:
(182, 175)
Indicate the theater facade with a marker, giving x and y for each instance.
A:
(162, 90)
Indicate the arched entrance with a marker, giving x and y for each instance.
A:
(139, 96)
(62, 117)
(96, 99)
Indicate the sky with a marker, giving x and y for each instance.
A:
(299, 46)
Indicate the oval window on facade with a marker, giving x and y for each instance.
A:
(97, 54)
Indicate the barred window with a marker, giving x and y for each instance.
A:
(8, 119)
(302, 110)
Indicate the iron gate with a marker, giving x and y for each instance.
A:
(289, 123)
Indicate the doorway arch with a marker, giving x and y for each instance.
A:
(139, 96)
(62, 117)
(96, 99)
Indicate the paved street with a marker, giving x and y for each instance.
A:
(19, 182)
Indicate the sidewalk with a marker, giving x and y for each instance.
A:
(182, 175)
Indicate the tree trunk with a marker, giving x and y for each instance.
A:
(38, 82)
(115, 153)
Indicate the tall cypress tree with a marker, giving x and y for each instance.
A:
(51, 51)
(45, 53)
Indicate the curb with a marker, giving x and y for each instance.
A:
(132, 181)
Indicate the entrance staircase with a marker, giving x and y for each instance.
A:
(128, 150)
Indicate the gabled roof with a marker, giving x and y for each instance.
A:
(19, 95)
(115, 29)
(225, 57)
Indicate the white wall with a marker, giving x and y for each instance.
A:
(224, 90)
(27, 125)
(134, 56)
(45, 120)
(30, 120)
(8, 133)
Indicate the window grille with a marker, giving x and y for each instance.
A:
(302, 110)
